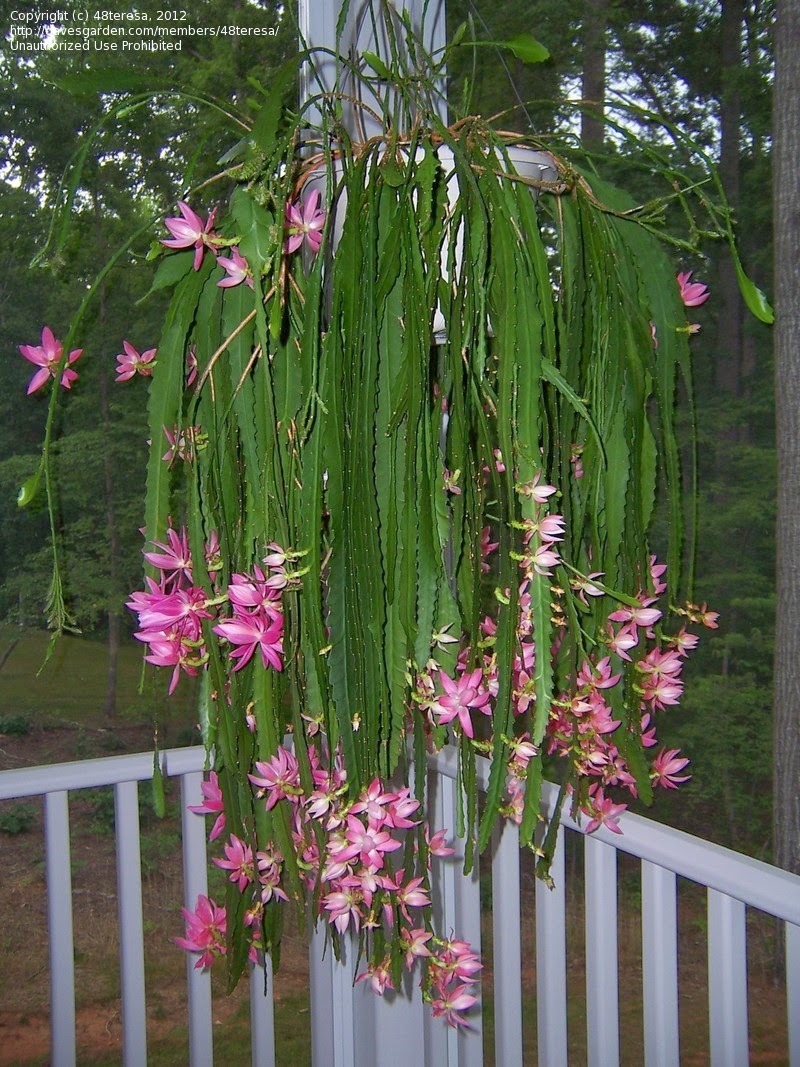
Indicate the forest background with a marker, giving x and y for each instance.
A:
(706, 67)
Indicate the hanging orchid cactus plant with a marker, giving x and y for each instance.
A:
(420, 407)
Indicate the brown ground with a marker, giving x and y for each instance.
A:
(24, 1022)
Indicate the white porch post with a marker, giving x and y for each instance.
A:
(350, 1026)
(318, 20)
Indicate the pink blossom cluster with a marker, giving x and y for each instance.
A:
(453, 700)
(582, 727)
(347, 848)
(172, 610)
(189, 231)
(304, 223)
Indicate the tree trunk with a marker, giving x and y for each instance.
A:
(729, 363)
(786, 167)
(593, 88)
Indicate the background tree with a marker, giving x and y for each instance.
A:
(786, 155)
(134, 167)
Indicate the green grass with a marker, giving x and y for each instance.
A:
(71, 685)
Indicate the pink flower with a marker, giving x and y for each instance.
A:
(343, 905)
(270, 866)
(412, 895)
(457, 962)
(262, 630)
(415, 944)
(191, 366)
(279, 777)
(169, 648)
(179, 611)
(542, 559)
(212, 804)
(304, 222)
(452, 1004)
(237, 270)
(460, 696)
(367, 843)
(239, 861)
(708, 618)
(649, 738)
(379, 976)
(598, 675)
(626, 638)
(131, 362)
(374, 802)
(604, 812)
(666, 768)
(584, 586)
(487, 547)
(537, 492)
(660, 662)
(49, 357)
(205, 931)
(662, 691)
(174, 558)
(437, 843)
(254, 591)
(401, 806)
(657, 572)
(189, 231)
(684, 642)
(692, 293)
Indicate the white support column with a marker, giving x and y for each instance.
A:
(602, 966)
(340, 1035)
(59, 920)
(507, 946)
(727, 981)
(131, 924)
(195, 883)
(660, 966)
(320, 977)
(551, 964)
(262, 1015)
(318, 18)
(793, 991)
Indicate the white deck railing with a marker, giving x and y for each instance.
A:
(347, 1022)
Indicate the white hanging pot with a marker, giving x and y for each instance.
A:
(517, 159)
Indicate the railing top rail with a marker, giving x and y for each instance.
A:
(749, 880)
(91, 773)
(746, 879)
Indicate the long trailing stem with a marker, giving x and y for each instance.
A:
(226, 344)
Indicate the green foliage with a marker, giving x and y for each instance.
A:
(723, 727)
(17, 819)
(15, 725)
